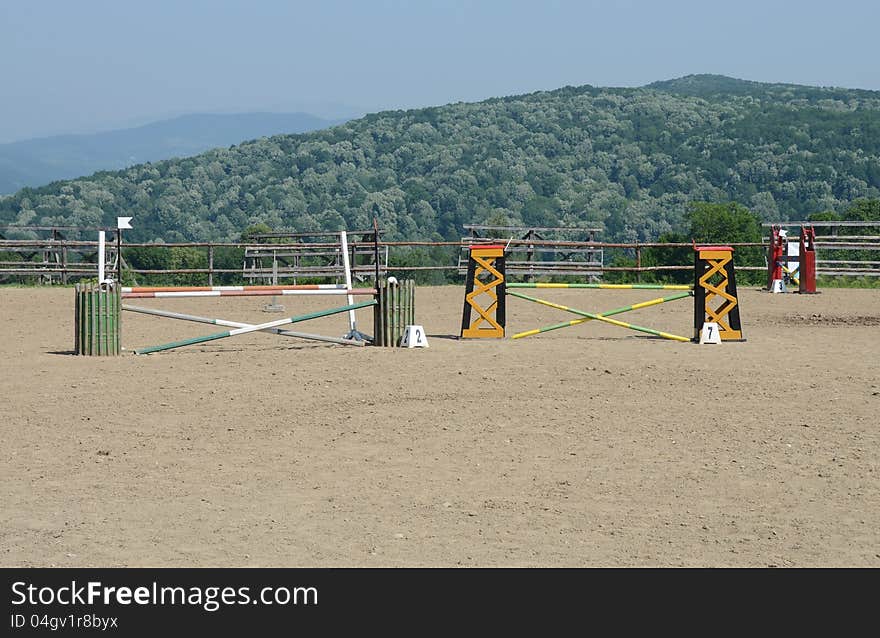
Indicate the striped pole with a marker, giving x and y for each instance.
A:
(244, 293)
(603, 316)
(140, 289)
(254, 328)
(605, 286)
(236, 324)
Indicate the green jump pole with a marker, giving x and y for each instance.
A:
(236, 324)
(604, 286)
(602, 316)
(254, 328)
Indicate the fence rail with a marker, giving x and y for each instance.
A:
(829, 224)
(52, 260)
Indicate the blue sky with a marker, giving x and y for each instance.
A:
(90, 65)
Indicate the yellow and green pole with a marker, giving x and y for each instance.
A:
(587, 316)
(525, 284)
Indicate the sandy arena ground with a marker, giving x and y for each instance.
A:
(588, 446)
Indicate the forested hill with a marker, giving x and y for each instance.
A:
(628, 159)
(720, 87)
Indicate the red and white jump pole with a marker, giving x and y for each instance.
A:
(241, 291)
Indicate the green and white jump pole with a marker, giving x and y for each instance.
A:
(237, 324)
(255, 328)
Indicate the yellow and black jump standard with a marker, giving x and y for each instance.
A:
(484, 293)
(714, 277)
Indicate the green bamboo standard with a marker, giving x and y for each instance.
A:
(254, 328)
(602, 316)
(395, 311)
(96, 320)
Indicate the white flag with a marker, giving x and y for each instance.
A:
(123, 222)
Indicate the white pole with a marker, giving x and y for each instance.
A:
(101, 265)
(352, 320)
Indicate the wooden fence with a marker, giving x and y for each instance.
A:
(56, 259)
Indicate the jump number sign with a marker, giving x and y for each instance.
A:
(709, 333)
(414, 337)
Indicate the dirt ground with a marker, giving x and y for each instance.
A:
(586, 446)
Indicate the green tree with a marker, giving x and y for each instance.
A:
(724, 223)
(863, 210)
(669, 256)
(254, 229)
(824, 216)
(729, 223)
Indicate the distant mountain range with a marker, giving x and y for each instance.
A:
(40, 161)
